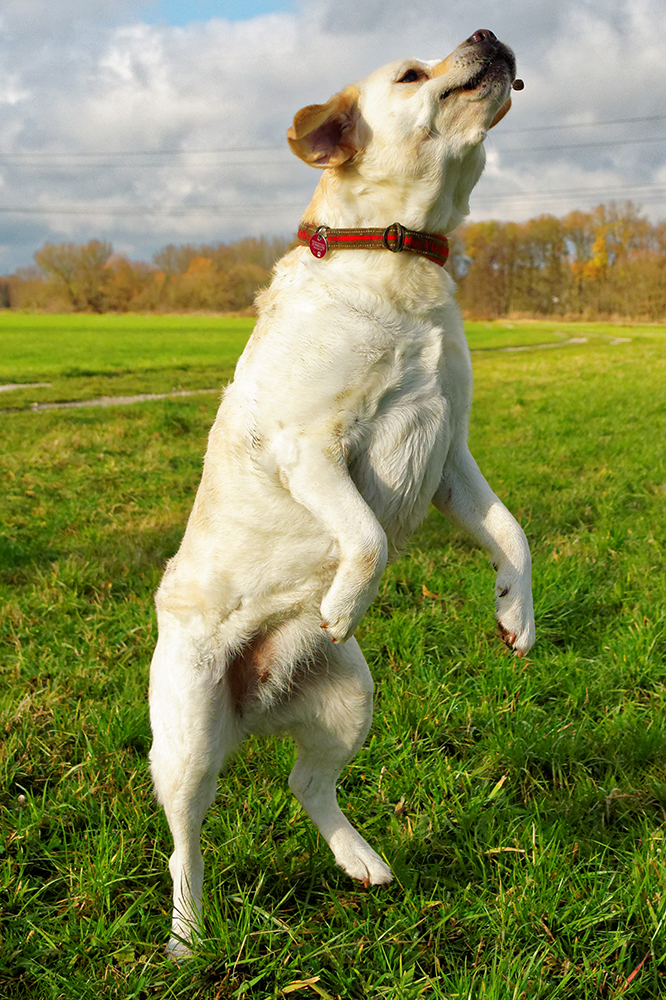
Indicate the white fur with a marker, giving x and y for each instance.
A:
(347, 417)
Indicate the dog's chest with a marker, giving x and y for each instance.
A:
(371, 384)
(399, 432)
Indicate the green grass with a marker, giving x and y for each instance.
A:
(85, 356)
(81, 344)
(502, 334)
(82, 357)
(529, 847)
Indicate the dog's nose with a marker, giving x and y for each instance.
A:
(482, 35)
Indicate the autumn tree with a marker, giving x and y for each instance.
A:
(128, 285)
(173, 260)
(492, 250)
(223, 277)
(606, 262)
(77, 272)
(541, 265)
(196, 288)
(242, 281)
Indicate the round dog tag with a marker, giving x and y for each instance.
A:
(318, 245)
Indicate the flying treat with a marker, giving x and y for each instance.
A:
(518, 85)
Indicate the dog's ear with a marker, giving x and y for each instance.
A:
(500, 114)
(326, 135)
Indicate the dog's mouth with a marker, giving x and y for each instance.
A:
(493, 63)
(479, 78)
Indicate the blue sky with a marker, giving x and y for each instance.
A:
(185, 11)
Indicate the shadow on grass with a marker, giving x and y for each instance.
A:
(15, 556)
(84, 567)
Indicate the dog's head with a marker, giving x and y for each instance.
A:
(411, 133)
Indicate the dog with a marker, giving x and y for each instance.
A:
(347, 416)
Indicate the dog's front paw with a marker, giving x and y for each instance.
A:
(340, 619)
(353, 590)
(339, 629)
(515, 617)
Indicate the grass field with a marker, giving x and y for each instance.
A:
(521, 803)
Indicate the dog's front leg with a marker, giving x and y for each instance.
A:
(465, 498)
(320, 481)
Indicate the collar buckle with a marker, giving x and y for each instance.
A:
(400, 233)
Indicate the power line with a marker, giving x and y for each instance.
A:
(37, 154)
(145, 210)
(146, 152)
(40, 165)
(44, 167)
(612, 121)
(639, 191)
(584, 145)
(645, 191)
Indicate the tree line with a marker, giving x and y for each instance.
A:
(90, 277)
(607, 262)
(604, 263)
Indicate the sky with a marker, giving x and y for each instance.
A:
(148, 122)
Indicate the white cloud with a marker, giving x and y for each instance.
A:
(93, 78)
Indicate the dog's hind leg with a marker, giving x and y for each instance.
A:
(329, 719)
(194, 729)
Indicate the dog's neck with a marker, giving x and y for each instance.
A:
(345, 198)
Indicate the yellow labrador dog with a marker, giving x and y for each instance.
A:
(347, 417)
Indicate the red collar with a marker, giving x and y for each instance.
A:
(394, 238)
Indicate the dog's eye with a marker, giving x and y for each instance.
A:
(411, 76)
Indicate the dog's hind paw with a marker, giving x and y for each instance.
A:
(360, 862)
(380, 874)
(178, 950)
(373, 873)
